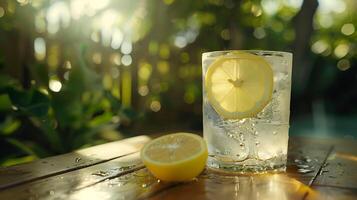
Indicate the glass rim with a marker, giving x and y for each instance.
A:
(255, 51)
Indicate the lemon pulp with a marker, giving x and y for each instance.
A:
(175, 157)
(239, 85)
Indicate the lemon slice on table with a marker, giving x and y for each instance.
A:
(175, 157)
(239, 85)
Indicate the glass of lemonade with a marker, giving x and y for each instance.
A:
(246, 108)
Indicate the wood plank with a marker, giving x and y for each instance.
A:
(340, 168)
(334, 193)
(214, 186)
(132, 181)
(20, 174)
(306, 157)
(63, 185)
(82, 183)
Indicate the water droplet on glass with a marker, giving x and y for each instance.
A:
(256, 133)
(78, 160)
(158, 180)
(274, 132)
(257, 143)
(144, 185)
(242, 145)
(241, 136)
(308, 160)
(226, 152)
(51, 192)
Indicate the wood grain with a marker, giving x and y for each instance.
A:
(61, 186)
(340, 169)
(47, 167)
(124, 177)
(333, 193)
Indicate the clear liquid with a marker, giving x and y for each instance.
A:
(251, 144)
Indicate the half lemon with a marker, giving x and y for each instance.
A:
(175, 157)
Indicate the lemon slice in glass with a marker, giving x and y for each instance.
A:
(175, 157)
(239, 85)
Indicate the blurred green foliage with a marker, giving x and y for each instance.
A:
(40, 123)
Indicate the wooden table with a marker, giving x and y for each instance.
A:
(317, 169)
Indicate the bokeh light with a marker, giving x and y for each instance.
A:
(40, 48)
(348, 29)
(341, 50)
(155, 106)
(55, 85)
(2, 12)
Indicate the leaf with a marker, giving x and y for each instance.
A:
(6, 81)
(9, 126)
(20, 145)
(49, 133)
(16, 161)
(32, 102)
(67, 109)
(5, 102)
(40, 104)
(19, 98)
(40, 72)
(101, 120)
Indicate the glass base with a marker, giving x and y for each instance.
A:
(275, 165)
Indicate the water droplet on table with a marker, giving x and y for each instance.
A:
(305, 171)
(222, 179)
(323, 171)
(124, 168)
(303, 166)
(100, 173)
